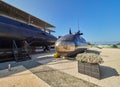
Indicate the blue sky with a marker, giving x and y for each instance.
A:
(99, 20)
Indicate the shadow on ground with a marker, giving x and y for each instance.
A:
(73, 57)
(107, 72)
(27, 64)
(93, 51)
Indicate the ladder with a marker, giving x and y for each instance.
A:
(21, 54)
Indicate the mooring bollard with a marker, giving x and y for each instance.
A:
(9, 67)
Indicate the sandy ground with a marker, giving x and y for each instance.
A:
(32, 74)
(110, 69)
(20, 77)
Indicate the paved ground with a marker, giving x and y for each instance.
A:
(32, 73)
(64, 68)
(110, 69)
(19, 76)
(55, 78)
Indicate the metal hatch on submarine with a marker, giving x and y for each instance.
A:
(71, 44)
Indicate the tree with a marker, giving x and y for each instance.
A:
(114, 46)
(89, 43)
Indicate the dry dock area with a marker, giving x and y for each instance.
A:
(44, 71)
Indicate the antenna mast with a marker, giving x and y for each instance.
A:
(78, 25)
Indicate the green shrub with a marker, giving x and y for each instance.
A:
(114, 46)
(89, 43)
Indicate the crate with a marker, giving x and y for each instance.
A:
(89, 69)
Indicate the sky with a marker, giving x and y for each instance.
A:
(98, 20)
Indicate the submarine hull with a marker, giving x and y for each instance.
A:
(32, 35)
(70, 45)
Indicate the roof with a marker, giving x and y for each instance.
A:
(19, 15)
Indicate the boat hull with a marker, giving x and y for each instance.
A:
(35, 36)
